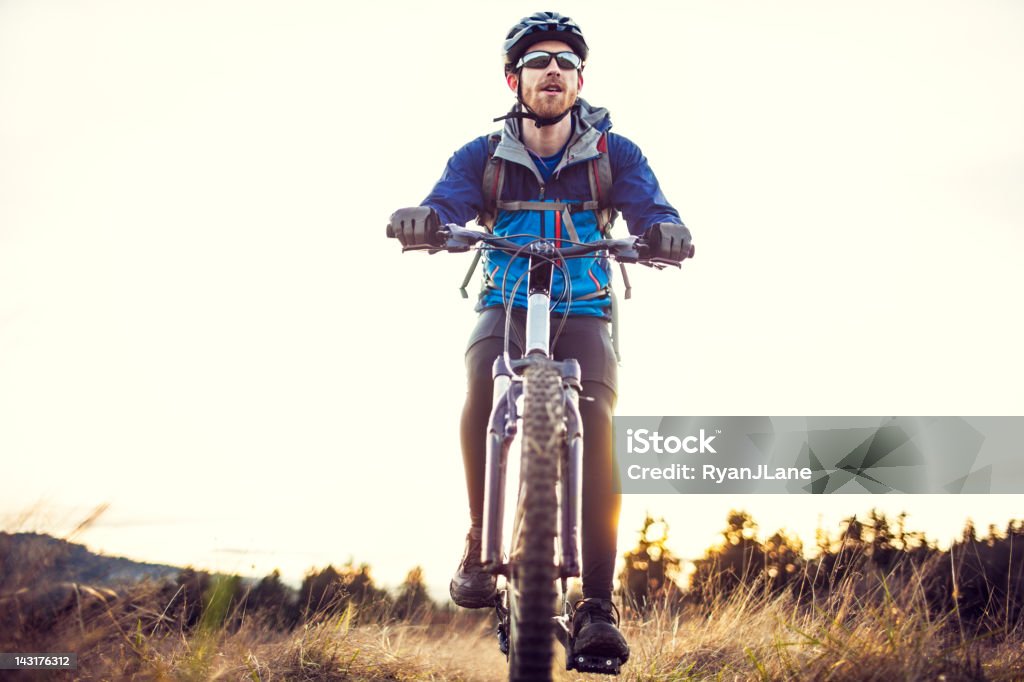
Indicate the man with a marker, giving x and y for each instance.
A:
(552, 150)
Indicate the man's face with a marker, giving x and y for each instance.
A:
(551, 90)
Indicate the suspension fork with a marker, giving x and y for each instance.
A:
(500, 434)
(572, 473)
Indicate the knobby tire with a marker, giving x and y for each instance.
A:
(532, 590)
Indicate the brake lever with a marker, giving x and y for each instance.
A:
(455, 242)
(662, 263)
(429, 248)
(444, 240)
(452, 243)
(628, 256)
(633, 253)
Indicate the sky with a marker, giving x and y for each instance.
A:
(203, 326)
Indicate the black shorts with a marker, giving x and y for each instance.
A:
(583, 338)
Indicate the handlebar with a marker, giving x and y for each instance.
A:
(456, 239)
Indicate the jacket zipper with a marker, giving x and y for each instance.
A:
(543, 214)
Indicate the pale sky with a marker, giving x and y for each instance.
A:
(202, 324)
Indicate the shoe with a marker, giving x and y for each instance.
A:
(472, 588)
(595, 630)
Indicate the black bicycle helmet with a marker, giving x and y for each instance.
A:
(539, 27)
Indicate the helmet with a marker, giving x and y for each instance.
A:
(539, 27)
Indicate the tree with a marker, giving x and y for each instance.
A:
(412, 598)
(272, 602)
(738, 562)
(331, 592)
(650, 568)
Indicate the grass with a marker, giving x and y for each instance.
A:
(885, 633)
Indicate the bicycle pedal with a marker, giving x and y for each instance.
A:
(606, 665)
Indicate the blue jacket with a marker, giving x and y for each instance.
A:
(458, 197)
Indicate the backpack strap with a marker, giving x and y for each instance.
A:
(599, 172)
(494, 179)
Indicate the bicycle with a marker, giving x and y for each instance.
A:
(543, 547)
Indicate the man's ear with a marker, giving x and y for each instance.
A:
(580, 87)
(513, 82)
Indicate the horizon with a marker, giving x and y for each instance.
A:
(391, 577)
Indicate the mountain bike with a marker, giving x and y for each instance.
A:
(543, 395)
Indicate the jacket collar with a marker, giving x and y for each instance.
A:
(590, 123)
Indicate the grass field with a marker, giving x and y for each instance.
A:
(849, 635)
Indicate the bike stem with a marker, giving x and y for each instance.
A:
(538, 318)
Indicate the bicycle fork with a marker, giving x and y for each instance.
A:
(501, 432)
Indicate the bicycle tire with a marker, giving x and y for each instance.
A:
(532, 584)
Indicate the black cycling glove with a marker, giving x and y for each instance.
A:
(416, 226)
(670, 241)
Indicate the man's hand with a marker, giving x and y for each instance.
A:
(670, 241)
(414, 227)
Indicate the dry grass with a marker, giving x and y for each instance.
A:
(130, 637)
(853, 636)
(771, 639)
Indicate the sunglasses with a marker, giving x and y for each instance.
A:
(540, 60)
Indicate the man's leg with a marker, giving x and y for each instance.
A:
(594, 624)
(475, 414)
(471, 587)
(600, 504)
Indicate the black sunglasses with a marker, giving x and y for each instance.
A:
(540, 60)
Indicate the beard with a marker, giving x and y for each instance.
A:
(549, 106)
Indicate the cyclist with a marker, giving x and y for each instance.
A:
(549, 152)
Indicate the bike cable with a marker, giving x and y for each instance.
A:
(509, 301)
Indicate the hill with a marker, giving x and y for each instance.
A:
(34, 559)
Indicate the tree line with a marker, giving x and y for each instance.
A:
(198, 599)
(977, 583)
(978, 580)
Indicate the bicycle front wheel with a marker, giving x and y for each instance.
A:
(531, 585)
